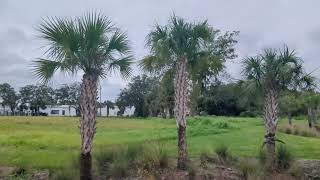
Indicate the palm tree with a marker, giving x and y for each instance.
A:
(92, 45)
(110, 105)
(273, 71)
(177, 46)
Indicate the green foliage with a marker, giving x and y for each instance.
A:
(247, 167)
(53, 142)
(262, 156)
(249, 114)
(119, 168)
(290, 103)
(275, 69)
(284, 157)
(222, 151)
(204, 48)
(36, 96)
(154, 155)
(136, 93)
(68, 95)
(299, 130)
(89, 43)
(8, 96)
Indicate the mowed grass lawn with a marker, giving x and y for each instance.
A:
(54, 142)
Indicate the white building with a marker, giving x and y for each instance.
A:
(114, 112)
(64, 110)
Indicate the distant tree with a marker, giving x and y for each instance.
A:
(251, 106)
(177, 47)
(136, 93)
(109, 105)
(222, 99)
(69, 95)
(207, 68)
(122, 102)
(289, 104)
(311, 101)
(36, 97)
(8, 96)
(273, 71)
(92, 45)
(166, 94)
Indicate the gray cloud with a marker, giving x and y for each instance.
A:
(262, 24)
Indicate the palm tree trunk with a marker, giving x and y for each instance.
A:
(180, 112)
(88, 110)
(271, 121)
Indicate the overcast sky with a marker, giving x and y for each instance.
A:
(262, 24)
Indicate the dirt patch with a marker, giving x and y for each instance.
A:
(311, 168)
(218, 172)
(6, 171)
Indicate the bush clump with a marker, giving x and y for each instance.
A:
(299, 130)
(284, 157)
(223, 152)
(154, 155)
(262, 156)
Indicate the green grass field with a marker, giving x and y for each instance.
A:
(53, 142)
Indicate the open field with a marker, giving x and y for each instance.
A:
(52, 142)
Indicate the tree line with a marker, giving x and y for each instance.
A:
(36, 97)
(185, 59)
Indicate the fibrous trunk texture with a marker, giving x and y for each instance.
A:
(88, 108)
(180, 112)
(271, 121)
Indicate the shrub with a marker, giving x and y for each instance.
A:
(70, 172)
(20, 174)
(284, 157)
(296, 131)
(119, 167)
(248, 114)
(206, 122)
(262, 156)
(222, 151)
(299, 130)
(133, 151)
(223, 125)
(105, 157)
(288, 130)
(204, 157)
(246, 167)
(115, 161)
(154, 155)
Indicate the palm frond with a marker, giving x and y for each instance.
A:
(44, 69)
(122, 65)
(253, 68)
(118, 42)
(82, 43)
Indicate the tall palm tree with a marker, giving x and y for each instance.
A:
(177, 46)
(273, 71)
(92, 45)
